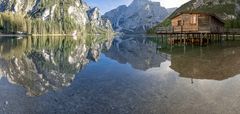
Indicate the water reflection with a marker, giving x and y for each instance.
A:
(218, 61)
(137, 51)
(47, 63)
(208, 63)
(135, 76)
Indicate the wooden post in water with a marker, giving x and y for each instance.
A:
(192, 40)
(220, 40)
(184, 48)
(213, 38)
(177, 38)
(181, 40)
(162, 39)
(226, 36)
(184, 40)
(208, 38)
(221, 37)
(233, 36)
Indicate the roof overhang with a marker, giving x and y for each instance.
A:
(196, 12)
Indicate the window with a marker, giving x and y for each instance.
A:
(194, 19)
(179, 23)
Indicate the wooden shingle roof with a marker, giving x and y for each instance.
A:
(197, 12)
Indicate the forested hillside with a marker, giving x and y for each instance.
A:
(50, 17)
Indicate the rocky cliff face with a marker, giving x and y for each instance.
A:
(77, 11)
(137, 17)
(96, 19)
(171, 10)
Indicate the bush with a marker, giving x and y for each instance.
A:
(12, 23)
(234, 23)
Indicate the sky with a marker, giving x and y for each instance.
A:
(107, 5)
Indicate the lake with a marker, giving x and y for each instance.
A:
(130, 74)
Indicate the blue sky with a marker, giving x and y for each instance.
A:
(107, 5)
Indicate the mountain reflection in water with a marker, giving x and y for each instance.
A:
(136, 50)
(47, 63)
(214, 62)
(130, 75)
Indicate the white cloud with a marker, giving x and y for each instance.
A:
(107, 5)
(171, 3)
(165, 3)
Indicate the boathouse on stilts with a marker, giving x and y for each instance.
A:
(195, 28)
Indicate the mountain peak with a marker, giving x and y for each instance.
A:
(139, 2)
(137, 17)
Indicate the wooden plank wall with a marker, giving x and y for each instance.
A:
(186, 26)
(205, 23)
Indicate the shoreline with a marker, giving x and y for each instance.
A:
(24, 35)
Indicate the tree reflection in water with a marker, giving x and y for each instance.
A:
(40, 64)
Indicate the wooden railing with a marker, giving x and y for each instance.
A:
(164, 30)
(235, 31)
(192, 29)
(185, 29)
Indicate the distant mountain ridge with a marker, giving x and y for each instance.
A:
(171, 10)
(138, 17)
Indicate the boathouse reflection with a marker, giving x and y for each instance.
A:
(213, 62)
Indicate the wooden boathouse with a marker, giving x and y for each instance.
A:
(195, 28)
(197, 22)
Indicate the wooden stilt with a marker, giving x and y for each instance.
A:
(233, 36)
(226, 36)
(162, 38)
(208, 39)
